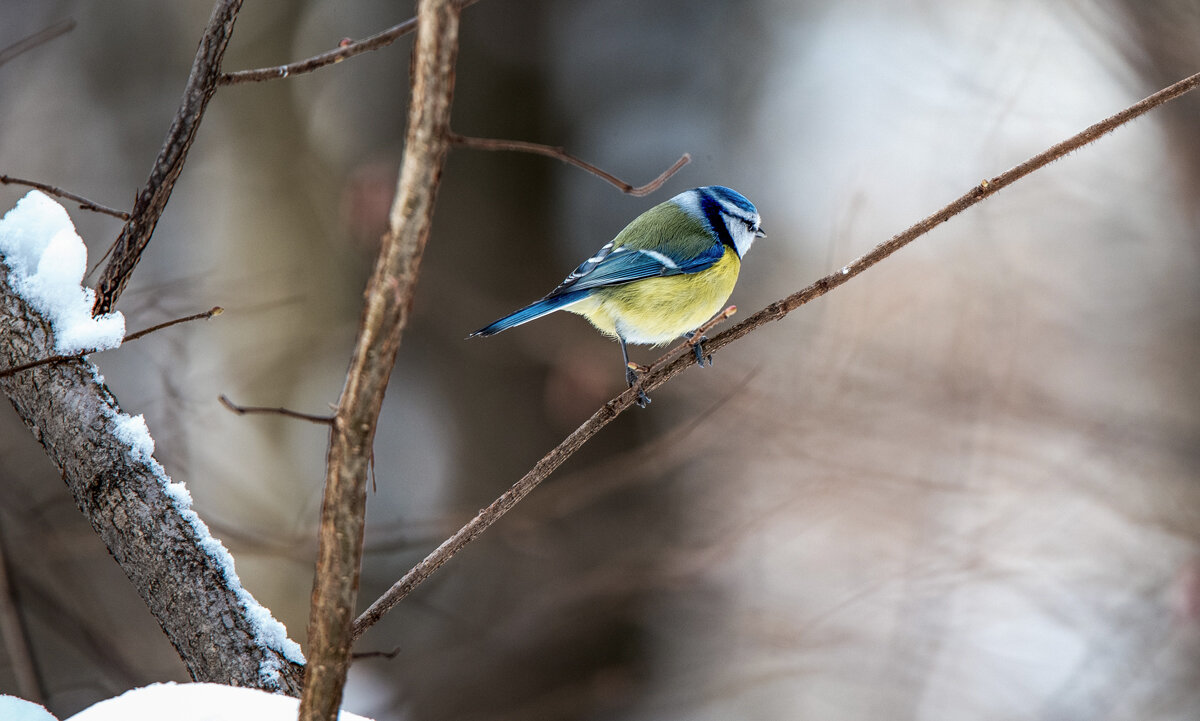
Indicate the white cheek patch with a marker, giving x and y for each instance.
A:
(743, 238)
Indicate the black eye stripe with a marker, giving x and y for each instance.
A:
(712, 213)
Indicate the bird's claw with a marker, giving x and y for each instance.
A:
(633, 377)
(697, 344)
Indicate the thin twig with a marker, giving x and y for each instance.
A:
(346, 49)
(83, 202)
(38, 363)
(679, 358)
(216, 310)
(359, 655)
(41, 37)
(560, 153)
(385, 315)
(279, 411)
(698, 335)
(100, 263)
(152, 199)
(210, 313)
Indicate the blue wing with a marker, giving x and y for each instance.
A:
(625, 264)
(607, 267)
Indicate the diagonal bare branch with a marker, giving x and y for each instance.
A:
(83, 202)
(6, 372)
(677, 359)
(41, 37)
(152, 199)
(347, 49)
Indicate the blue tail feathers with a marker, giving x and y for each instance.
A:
(529, 312)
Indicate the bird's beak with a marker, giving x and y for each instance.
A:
(759, 233)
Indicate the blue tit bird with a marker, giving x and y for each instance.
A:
(662, 277)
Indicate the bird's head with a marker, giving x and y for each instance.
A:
(728, 214)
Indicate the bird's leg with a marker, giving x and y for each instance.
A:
(696, 341)
(632, 376)
(696, 338)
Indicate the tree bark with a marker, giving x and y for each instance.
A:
(122, 493)
(385, 314)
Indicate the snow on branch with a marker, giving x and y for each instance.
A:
(184, 574)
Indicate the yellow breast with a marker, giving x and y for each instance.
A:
(655, 311)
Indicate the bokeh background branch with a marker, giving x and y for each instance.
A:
(386, 312)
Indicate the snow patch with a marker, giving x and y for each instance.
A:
(46, 260)
(15, 709)
(196, 702)
(133, 432)
(268, 632)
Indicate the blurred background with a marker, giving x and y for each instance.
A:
(964, 485)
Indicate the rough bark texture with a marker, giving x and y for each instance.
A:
(70, 412)
(385, 314)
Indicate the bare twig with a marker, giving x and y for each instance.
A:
(243, 410)
(679, 358)
(698, 335)
(385, 314)
(560, 153)
(41, 37)
(152, 199)
(83, 202)
(345, 50)
(359, 655)
(210, 313)
(216, 310)
(50, 360)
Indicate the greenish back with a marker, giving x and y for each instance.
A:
(666, 225)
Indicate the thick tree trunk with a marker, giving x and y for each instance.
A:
(159, 542)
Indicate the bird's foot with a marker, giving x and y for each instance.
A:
(696, 338)
(633, 376)
(696, 341)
